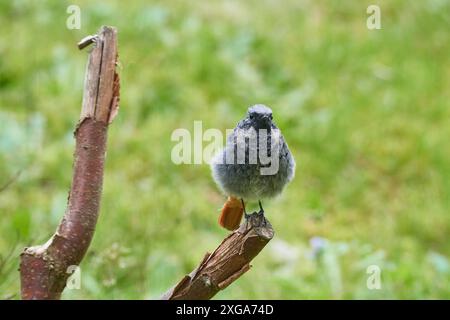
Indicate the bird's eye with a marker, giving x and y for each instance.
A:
(251, 116)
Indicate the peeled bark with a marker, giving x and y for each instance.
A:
(44, 268)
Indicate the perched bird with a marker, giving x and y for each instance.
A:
(255, 164)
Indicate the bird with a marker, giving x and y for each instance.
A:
(255, 164)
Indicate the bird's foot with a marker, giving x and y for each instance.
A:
(261, 214)
(256, 218)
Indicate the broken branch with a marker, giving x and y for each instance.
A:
(227, 263)
(43, 268)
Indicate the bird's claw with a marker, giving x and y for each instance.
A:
(255, 217)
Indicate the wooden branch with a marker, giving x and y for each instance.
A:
(227, 263)
(43, 268)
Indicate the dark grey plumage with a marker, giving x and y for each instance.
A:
(245, 180)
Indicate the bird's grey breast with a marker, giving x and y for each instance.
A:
(254, 169)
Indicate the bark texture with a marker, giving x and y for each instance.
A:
(228, 262)
(44, 268)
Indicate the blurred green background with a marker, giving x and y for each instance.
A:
(365, 112)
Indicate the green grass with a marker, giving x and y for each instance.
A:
(366, 114)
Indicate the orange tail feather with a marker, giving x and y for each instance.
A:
(231, 214)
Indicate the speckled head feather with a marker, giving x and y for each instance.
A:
(260, 116)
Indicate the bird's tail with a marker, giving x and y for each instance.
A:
(231, 214)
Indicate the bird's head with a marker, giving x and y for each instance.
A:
(260, 116)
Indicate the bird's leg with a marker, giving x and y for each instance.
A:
(245, 211)
(261, 210)
(263, 220)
